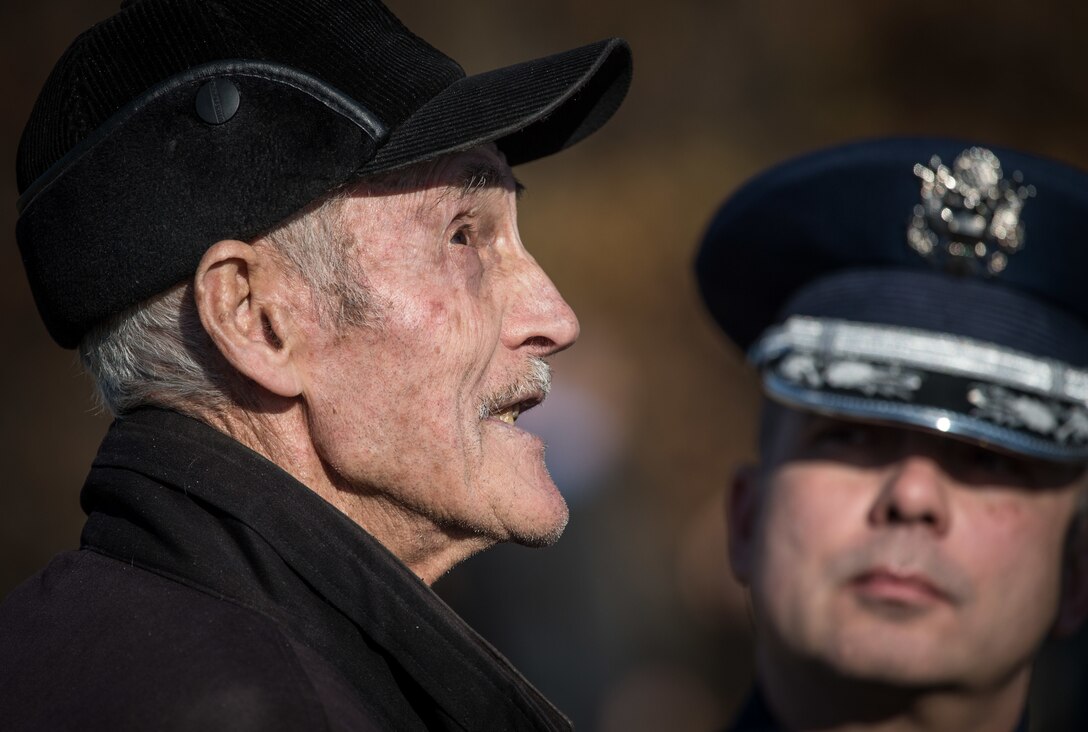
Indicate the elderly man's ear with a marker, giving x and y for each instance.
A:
(242, 294)
(1074, 603)
(741, 508)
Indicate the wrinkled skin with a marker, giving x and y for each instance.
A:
(397, 420)
(461, 311)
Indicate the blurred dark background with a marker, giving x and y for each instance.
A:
(630, 622)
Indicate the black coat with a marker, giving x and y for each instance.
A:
(213, 591)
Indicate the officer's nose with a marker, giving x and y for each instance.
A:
(914, 492)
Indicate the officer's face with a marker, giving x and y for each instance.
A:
(899, 556)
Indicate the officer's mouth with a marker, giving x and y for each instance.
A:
(887, 586)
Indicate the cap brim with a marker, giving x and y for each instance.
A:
(530, 110)
(951, 385)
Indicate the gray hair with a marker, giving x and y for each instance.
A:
(158, 353)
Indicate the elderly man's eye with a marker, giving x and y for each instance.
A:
(462, 236)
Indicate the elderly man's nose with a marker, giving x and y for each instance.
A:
(913, 492)
(538, 317)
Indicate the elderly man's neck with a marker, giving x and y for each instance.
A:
(807, 696)
(427, 548)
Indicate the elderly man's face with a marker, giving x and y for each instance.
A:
(897, 556)
(417, 407)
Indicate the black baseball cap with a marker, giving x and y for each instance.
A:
(174, 124)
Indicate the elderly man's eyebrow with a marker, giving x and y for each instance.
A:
(482, 175)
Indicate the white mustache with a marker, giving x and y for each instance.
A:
(906, 553)
(536, 383)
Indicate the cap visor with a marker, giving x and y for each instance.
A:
(531, 109)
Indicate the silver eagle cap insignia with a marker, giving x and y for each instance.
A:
(969, 219)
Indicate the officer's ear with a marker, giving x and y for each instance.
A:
(243, 296)
(1073, 608)
(741, 510)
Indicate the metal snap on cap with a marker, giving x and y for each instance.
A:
(217, 101)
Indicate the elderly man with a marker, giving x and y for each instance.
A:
(914, 529)
(283, 237)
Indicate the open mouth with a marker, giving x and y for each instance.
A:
(509, 413)
(507, 404)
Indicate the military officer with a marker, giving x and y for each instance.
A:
(914, 527)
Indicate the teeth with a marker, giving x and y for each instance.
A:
(510, 415)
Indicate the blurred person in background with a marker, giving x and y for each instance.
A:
(915, 526)
(283, 238)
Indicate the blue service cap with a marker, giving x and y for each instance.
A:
(934, 283)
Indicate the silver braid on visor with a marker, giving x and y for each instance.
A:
(945, 383)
